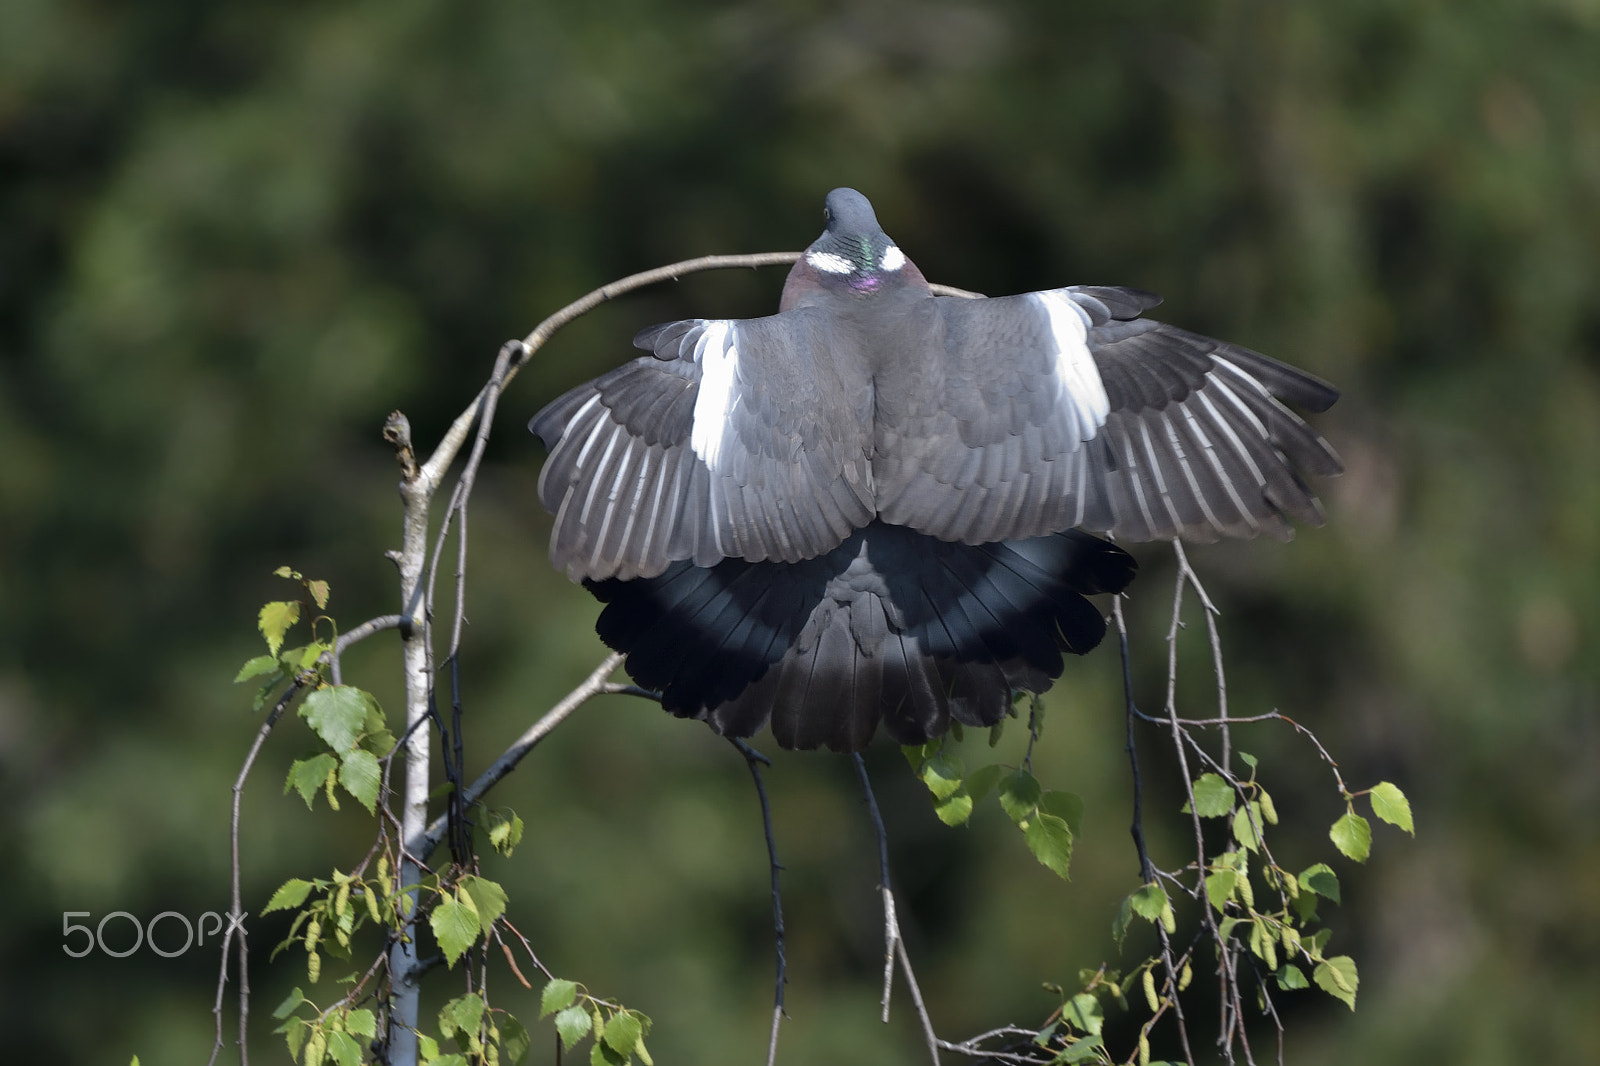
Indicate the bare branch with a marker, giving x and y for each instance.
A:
(754, 759)
(355, 636)
(236, 913)
(951, 290)
(672, 272)
(592, 686)
(894, 943)
(1211, 614)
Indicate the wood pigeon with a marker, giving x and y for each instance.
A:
(871, 506)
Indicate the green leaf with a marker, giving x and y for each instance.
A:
(942, 774)
(1051, 842)
(1085, 1050)
(1263, 944)
(622, 1033)
(504, 833)
(601, 1054)
(378, 739)
(337, 713)
(455, 926)
(1213, 796)
(304, 657)
(461, 1015)
(1244, 827)
(1019, 795)
(290, 894)
(319, 592)
(261, 664)
(274, 621)
(1083, 1012)
(264, 693)
(362, 1023)
(514, 1041)
(295, 998)
(954, 810)
(1320, 879)
(307, 776)
(982, 780)
(1124, 918)
(1337, 977)
(1219, 887)
(343, 1049)
(558, 995)
(1068, 806)
(360, 775)
(1249, 760)
(487, 897)
(295, 1031)
(1290, 977)
(572, 1025)
(1390, 804)
(1149, 901)
(1352, 835)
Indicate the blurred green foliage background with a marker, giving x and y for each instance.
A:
(234, 236)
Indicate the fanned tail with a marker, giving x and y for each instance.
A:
(892, 626)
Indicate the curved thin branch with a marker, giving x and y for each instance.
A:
(355, 636)
(951, 290)
(594, 685)
(456, 435)
(894, 943)
(754, 759)
(236, 913)
(671, 272)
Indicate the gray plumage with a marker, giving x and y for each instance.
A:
(817, 457)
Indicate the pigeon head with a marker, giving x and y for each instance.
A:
(853, 250)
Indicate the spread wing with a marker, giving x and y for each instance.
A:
(742, 439)
(1063, 408)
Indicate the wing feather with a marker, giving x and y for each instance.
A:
(1139, 429)
(745, 436)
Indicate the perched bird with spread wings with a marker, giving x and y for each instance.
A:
(877, 504)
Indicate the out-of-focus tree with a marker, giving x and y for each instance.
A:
(232, 237)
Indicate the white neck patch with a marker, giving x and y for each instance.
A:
(893, 258)
(829, 262)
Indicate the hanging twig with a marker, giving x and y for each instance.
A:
(755, 760)
(1147, 869)
(894, 943)
(236, 914)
